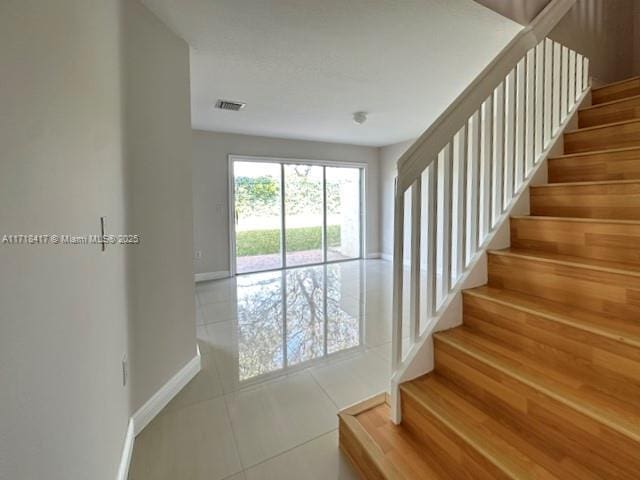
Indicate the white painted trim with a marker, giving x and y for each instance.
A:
(295, 160)
(127, 450)
(231, 206)
(203, 277)
(386, 256)
(165, 394)
(373, 255)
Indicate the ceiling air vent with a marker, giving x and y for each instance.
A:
(229, 105)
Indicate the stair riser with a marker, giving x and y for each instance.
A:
(358, 455)
(456, 455)
(617, 112)
(599, 291)
(618, 91)
(624, 165)
(546, 420)
(614, 136)
(606, 366)
(595, 240)
(601, 201)
(583, 344)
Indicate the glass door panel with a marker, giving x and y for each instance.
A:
(343, 213)
(304, 214)
(258, 216)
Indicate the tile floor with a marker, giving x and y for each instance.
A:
(282, 353)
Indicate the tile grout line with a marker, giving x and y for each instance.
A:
(288, 450)
(324, 391)
(244, 469)
(233, 436)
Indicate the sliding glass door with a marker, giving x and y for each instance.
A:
(343, 213)
(290, 214)
(304, 214)
(258, 216)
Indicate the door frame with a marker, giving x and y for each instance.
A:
(234, 157)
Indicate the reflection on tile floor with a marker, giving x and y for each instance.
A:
(282, 352)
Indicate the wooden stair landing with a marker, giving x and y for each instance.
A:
(542, 380)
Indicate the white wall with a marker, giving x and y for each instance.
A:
(603, 30)
(94, 121)
(389, 157)
(210, 186)
(63, 309)
(158, 124)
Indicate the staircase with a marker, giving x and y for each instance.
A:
(542, 380)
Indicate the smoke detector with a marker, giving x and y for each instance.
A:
(230, 105)
(360, 117)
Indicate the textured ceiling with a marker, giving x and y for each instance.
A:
(304, 66)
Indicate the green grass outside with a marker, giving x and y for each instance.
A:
(265, 242)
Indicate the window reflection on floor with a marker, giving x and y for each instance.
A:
(319, 316)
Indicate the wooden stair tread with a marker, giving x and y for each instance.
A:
(603, 199)
(596, 152)
(635, 78)
(609, 103)
(598, 324)
(602, 126)
(613, 221)
(507, 450)
(616, 90)
(568, 260)
(612, 164)
(394, 450)
(625, 133)
(557, 385)
(587, 184)
(616, 110)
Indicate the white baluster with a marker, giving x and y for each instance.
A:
(585, 74)
(432, 239)
(460, 162)
(485, 163)
(579, 84)
(498, 153)
(414, 300)
(548, 82)
(447, 221)
(572, 79)
(538, 129)
(564, 91)
(509, 138)
(521, 99)
(530, 112)
(398, 273)
(474, 183)
(556, 87)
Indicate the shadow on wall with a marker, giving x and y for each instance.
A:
(521, 11)
(602, 30)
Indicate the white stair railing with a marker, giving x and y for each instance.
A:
(463, 173)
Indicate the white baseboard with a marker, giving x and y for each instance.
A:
(203, 277)
(372, 255)
(387, 257)
(127, 450)
(162, 397)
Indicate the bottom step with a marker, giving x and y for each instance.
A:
(378, 449)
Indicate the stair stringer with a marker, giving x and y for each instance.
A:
(420, 358)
